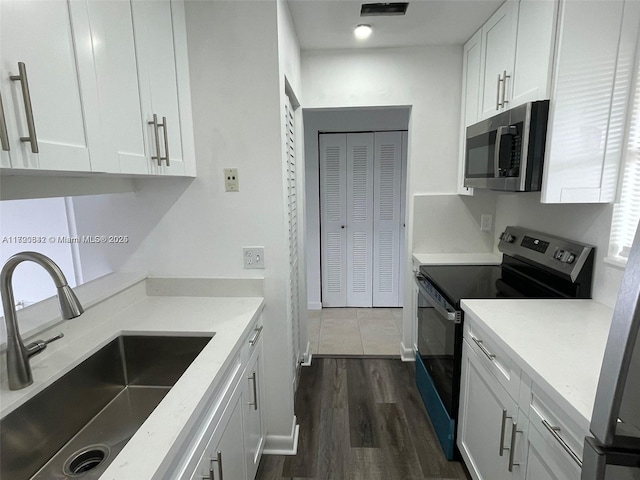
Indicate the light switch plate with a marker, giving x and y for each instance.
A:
(485, 222)
(253, 257)
(231, 183)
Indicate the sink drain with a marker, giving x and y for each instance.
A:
(85, 460)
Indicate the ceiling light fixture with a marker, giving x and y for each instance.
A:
(362, 31)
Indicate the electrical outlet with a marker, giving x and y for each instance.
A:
(253, 257)
(231, 183)
(485, 222)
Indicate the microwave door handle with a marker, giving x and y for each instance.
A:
(496, 153)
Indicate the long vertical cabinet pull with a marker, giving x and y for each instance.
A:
(217, 460)
(158, 156)
(502, 432)
(512, 449)
(26, 96)
(4, 136)
(166, 142)
(255, 391)
(498, 104)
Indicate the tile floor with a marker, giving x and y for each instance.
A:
(355, 331)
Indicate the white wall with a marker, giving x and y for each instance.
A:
(45, 219)
(334, 120)
(588, 223)
(451, 223)
(429, 79)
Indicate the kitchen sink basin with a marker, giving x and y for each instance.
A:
(75, 427)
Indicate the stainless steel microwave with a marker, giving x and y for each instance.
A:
(506, 152)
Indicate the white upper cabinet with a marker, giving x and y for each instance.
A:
(591, 80)
(160, 35)
(471, 86)
(498, 46)
(98, 73)
(534, 51)
(44, 64)
(116, 72)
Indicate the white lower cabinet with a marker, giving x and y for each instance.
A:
(224, 454)
(486, 413)
(500, 437)
(227, 440)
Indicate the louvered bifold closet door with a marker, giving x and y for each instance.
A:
(333, 188)
(386, 253)
(359, 219)
(292, 217)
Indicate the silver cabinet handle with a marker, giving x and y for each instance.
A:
(490, 356)
(555, 431)
(28, 109)
(217, 460)
(512, 448)
(4, 136)
(502, 432)
(166, 142)
(254, 340)
(504, 88)
(155, 124)
(255, 391)
(498, 104)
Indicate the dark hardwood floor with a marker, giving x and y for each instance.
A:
(361, 419)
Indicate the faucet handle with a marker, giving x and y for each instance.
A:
(39, 345)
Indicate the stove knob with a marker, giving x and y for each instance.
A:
(507, 237)
(570, 258)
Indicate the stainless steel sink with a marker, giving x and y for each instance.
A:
(76, 426)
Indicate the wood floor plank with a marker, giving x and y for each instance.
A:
(270, 467)
(383, 386)
(334, 383)
(397, 448)
(366, 464)
(362, 421)
(333, 442)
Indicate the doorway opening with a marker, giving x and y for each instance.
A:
(355, 167)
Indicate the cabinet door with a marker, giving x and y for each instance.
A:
(534, 51)
(486, 414)
(116, 72)
(546, 460)
(498, 47)
(224, 456)
(252, 412)
(156, 38)
(471, 94)
(580, 111)
(58, 62)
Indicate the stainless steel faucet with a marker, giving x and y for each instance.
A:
(18, 354)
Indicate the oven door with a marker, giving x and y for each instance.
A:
(438, 362)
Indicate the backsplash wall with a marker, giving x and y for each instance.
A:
(588, 223)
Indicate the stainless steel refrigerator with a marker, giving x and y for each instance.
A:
(613, 453)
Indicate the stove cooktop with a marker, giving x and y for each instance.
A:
(456, 282)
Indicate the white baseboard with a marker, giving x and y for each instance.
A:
(283, 444)
(307, 356)
(407, 354)
(314, 305)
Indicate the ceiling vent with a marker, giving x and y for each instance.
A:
(383, 9)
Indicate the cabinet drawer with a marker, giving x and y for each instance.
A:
(494, 358)
(564, 438)
(253, 340)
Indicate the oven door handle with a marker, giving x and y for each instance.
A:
(448, 314)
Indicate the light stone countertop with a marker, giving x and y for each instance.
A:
(560, 344)
(457, 259)
(133, 312)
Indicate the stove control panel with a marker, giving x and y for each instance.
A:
(558, 254)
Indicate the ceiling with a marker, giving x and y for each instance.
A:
(328, 24)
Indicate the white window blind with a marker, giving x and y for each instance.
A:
(627, 212)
